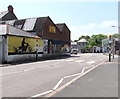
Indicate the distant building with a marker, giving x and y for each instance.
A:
(8, 15)
(81, 45)
(115, 45)
(65, 32)
(105, 45)
(74, 45)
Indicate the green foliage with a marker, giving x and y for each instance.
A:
(116, 35)
(84, 37)
(96, 40)
(75, 40)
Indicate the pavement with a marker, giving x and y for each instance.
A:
(99, 82)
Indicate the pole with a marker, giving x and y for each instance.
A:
(113, 48)
(36, 48)
(110, 37)
(109, 55)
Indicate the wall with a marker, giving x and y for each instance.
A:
(1, 49)
(49, 31)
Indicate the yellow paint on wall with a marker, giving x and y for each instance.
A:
(23, 44)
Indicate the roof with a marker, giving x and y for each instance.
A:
(73, 43)
(31, 24)
(61, 26)
(116, 39)
(82, 40)
(2, 14)
(10, 30)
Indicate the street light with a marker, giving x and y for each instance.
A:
(114, 40)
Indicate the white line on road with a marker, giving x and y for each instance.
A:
(84, 69)
(72, 75)
(42, 94)
(79, 61)
(60, 81)
(11, 73)
(69, 60)
(56, 86)
(91, 62)
(68, 83)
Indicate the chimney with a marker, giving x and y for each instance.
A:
(10, 8)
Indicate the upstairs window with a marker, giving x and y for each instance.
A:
(52, 29)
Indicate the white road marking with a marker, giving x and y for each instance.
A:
(79, 61)
(11, 73)
(68, 83)
(55, 90)
(69, 60)
(72, 75)
(30, 69)
(91, 62)
(56, 86)
(83, 70)
(42, 93)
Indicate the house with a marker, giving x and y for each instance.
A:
(8, 15)
(115, 45)
(105, 45)
(65, 32)
(81, 45)
(58, 38)
(74, 45)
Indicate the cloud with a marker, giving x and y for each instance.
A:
(104, 27)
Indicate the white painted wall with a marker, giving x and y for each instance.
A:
(1, 49)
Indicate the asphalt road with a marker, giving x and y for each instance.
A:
(38, 78)
(100, 82)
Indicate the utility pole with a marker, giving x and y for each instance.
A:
(113, 47)
(110, 41)
(37, 47)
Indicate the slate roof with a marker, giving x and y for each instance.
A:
(82, 40)
(61, 26)
(32, 24)
(3, 13)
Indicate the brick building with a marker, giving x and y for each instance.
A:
(8, 15)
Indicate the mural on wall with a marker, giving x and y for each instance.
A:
(65, 48)
(58, 47)
(23, 45)
(45, 48)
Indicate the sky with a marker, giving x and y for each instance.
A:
(83, 17)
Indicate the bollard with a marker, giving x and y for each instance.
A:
(109, 57)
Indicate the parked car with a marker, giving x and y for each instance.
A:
(74, 51)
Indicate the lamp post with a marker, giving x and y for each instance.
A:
(36, 47)
(114, 50)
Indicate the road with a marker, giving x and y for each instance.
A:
(39, 78)
(99, 82)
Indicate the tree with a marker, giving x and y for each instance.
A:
(116, 35)
(84, 37)
(75, 40)
(96, 40)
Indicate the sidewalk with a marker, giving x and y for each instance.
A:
(100, 82)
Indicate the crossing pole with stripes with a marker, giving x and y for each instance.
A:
(37, 47)
(110, 50)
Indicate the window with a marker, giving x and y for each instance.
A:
(52, 29)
